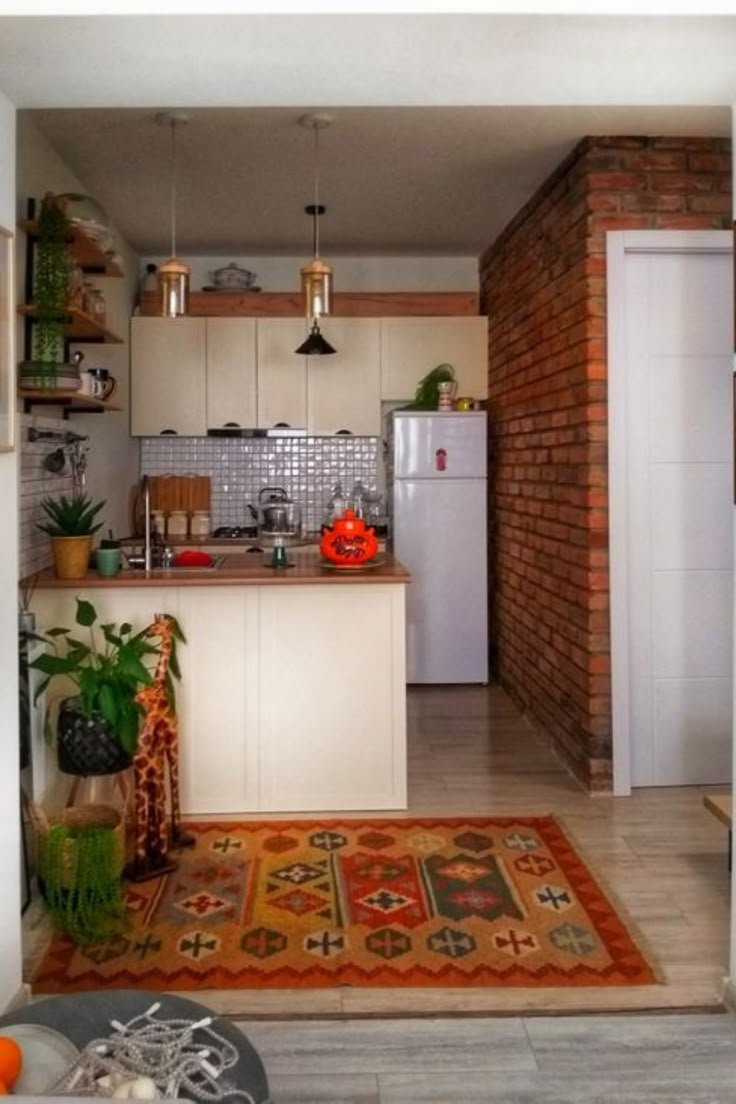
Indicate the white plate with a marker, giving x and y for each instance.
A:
(47, 1055)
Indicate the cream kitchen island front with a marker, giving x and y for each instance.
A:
(293, 693)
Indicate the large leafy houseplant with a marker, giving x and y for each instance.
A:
(107, 669)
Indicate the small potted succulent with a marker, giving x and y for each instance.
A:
(71, 523)
(97, 729)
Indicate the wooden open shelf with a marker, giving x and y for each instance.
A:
(81, 326)
(346, 304)
(72, 401)
(86, 252)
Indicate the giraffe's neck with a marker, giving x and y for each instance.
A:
(162, 666)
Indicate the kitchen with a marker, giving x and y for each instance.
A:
(379, 362)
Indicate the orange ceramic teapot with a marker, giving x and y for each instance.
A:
(348, 541)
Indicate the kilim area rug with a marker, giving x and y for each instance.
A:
(503, 901)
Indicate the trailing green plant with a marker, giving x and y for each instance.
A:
(107, 675)
(52, 274)
(81, 874)
(426, 396)
(72, 516)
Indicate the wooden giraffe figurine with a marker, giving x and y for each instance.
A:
(158, 747)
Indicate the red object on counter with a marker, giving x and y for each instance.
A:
(348, 541)
(190, 557)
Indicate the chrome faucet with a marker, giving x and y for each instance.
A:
(146, 488)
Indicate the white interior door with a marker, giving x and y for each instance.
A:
(671, 481)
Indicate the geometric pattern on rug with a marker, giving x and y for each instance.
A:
(452, 902)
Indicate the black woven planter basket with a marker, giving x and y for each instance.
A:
(86, 747)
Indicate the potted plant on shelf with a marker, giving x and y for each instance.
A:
(51, 285)
(71, 525)
(97, 728)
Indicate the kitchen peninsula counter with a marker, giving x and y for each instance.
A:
(293, 690)
(243, 569)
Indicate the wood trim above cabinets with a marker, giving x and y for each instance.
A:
(346, 304)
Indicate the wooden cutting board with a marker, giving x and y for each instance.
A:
(180, 492)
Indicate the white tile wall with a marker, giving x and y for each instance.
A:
(307, 467)
(35, 484)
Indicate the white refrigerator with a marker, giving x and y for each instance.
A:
(437, 498)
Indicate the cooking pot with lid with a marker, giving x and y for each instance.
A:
(233, 276)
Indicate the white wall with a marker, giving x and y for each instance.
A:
(113, 455)
(10, 942)
(351, 273)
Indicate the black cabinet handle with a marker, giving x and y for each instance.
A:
(168, 433)
(344, 433)
(281, 425)
(232, 425)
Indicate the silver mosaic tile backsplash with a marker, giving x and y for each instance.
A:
(306, 467)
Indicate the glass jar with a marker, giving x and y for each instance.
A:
(178, 524)
(158, 522)
(199, 525)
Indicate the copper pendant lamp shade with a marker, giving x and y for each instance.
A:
(173, 275)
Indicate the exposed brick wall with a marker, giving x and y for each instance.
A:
(543, 286)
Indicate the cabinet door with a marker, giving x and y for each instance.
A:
(344, 389)
(411, 347)
(167, 365)
(231, 372)
(282, 375)
(217, 699)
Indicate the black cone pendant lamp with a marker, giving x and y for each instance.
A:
(316, 277)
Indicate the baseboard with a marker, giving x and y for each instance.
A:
(20, 998)
(728, 994)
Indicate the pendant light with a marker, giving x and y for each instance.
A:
(316, 277)
(173, 274)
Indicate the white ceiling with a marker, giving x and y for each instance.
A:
(438, 138)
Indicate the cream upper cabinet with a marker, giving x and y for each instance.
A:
(231, 372)
(344, 389)
(411, 347)
(282, 374)
(167, 357)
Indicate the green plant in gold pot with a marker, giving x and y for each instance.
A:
(71, 523)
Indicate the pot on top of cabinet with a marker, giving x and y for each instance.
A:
(232, 278)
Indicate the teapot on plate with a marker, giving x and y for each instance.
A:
(348, 541)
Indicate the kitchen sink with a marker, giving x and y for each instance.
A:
(137, 563)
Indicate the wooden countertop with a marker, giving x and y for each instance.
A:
(241, 569)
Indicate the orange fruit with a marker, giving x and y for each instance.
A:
(11, 1061)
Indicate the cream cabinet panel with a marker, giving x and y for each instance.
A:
(217, 699)
(167, 364)
(344, 389)
(411, 347)
(332, 672)
(231, 372)
(282, 375)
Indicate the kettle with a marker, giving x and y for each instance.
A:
(277, 513)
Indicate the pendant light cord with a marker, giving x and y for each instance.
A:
(173, 187)
(316, 191)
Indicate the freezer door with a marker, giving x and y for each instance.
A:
(439, 446)
(439, 533)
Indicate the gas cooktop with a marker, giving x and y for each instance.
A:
(235, 532)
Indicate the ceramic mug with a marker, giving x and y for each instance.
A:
(103, 383)
(109, 561)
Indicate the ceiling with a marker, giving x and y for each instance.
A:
(438, 134)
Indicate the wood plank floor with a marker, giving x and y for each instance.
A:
(659, 852)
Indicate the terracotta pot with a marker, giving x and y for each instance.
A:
(71, 556)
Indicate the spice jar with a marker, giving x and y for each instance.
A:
(199, 525)
(178, 523)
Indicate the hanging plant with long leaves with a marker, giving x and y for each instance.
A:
(53, 268)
